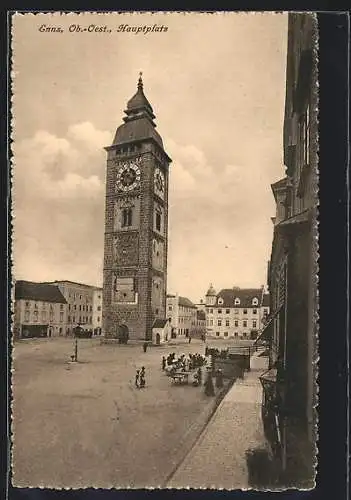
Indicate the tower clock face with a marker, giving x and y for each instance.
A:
(128, 177)
(159, 183)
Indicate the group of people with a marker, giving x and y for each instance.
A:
(185, 363)
(140, 378)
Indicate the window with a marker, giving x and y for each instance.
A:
(217, 334)
(236, 323)
(43, 315)
(237, 301)
(83, 308)
(219, 322)
(80, 297)
(35, 315)
(69, 319)
(254, 323)
(158, 221)
(245, 335)
(210, 311)
(61, 316)
(211, 322)
(255, 301)
(98, 319)
(170, 308)
(219, 311)
(27, 304)
(91, 319)
(265, 312)
(91, 308)
(74, 319)
(226, 334)
(220, 301)
(244, 323)
(99, 308)
(127, 217)
(80, 307)
(245, 311)
(236, 311)
(75, 307)
(69, 307)
(61, 307)
(99, 296)
(26, 316)
(80, 319)
(227, 322)
(254, 311)
(227, 311)
(235, 334)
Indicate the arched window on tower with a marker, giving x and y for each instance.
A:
(127, 217)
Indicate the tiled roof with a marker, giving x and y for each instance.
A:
(68, 282)
(38, 291)
(185, 302)
(159, 323)
(245, 295)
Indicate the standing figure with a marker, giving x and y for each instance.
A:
(145, 346)
(142, 378)
(209, 389)
(163, 362)
(137, 377)
(189, 339)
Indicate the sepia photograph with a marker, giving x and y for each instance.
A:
(164, 250)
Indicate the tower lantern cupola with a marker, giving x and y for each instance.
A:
(139, 124)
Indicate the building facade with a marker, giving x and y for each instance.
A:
(236, 313)
(136, 225)
(182, 314)
(97, 311)
(40, 310)
(80, 299)
(293, 269)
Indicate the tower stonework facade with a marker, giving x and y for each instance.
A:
(136, 225)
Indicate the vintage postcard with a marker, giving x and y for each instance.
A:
(164, 184)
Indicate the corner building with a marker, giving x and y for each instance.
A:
(136, 225)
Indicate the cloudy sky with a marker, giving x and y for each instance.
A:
(217, 85)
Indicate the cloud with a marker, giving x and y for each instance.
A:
(58, 200)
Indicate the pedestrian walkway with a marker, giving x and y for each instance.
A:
(218, 459)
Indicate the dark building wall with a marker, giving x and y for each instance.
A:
(133, 254)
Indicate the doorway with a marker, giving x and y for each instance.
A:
(123, 334)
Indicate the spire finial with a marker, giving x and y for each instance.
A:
(140, 81)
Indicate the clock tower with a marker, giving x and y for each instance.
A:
(136, 225)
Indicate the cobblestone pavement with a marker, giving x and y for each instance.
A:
(218, 459)
(85, 424)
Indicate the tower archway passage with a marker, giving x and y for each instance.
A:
(123, 334)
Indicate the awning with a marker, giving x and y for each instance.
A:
(267, 329)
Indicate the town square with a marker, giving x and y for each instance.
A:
(164, 291)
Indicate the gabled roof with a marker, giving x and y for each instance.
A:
(245, 295)
(185, 302)
(42, 292)
(160, 323)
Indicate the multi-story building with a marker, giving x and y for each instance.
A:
(182, 314)
(40, 310)
(290, 384)
(80, 300)
(237, 313)
(97, 311)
